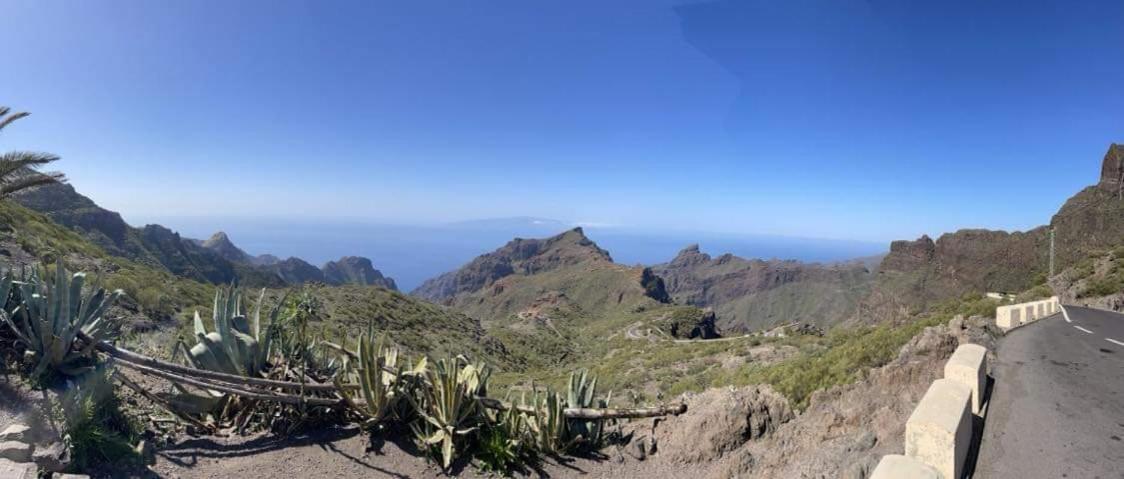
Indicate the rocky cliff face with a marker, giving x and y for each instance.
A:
(1112, 168)
(520, 256)
(755, 294)
(356, 270)
(975, 260)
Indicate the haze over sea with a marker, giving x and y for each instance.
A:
(412, 253)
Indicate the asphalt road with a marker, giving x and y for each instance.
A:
(1057, 404)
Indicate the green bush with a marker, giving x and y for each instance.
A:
(96, 431)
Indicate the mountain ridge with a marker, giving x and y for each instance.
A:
(216, 260)
(919, 272)
(753, 294)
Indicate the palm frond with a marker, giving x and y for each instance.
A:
(13, 161)
(9, 187)
(6, 120)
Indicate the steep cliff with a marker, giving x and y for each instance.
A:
(975, 260)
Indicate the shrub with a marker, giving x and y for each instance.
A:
(96, 431)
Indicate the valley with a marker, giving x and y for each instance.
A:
(809, 336)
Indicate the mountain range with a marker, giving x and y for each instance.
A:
(570, 275)
(215, 260)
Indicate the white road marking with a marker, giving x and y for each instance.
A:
(1082, 329)
(1113, 341)
(1065, 314)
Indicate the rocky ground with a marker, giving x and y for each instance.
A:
(29, 437)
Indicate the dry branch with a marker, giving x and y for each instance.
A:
(140, 360)
(233, 384)
(235, 389)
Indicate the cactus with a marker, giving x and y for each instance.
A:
(49, 315)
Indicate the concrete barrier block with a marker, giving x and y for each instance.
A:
(893, 466)
(1007, 317)
(939, 432)
(968, 365)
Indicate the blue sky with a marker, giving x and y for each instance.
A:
(868, 120)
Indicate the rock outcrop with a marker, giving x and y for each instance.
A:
(720, 421)
(221, 245)
(356, 270)
(1112, 169)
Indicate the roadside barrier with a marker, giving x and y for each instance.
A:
(938, 435)
(1015, 315)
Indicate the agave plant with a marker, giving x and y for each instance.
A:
(50, 314)
(235, 346)
(381, 384)
(449, 404)
(548, 425)
(582, 393)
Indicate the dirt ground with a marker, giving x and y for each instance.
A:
(347, 452)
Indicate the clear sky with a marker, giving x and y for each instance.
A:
(868, 120)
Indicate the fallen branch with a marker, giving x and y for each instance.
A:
(155, 364)
(234, 389)
(233, 384)
(158, 401)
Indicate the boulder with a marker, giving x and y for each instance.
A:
(17, 470)
(16, 432)
(15, 451)
(52, 458)
(720, 420)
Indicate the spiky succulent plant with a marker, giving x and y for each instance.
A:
(582, 393)
(381, 384)
(49, 314)
(449, 404)
(236, 346)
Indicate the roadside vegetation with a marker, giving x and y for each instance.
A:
(1103, 274)
(264, 369)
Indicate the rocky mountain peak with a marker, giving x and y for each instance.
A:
(356, 270)
(1112, 168)
(518, 256)
(220, 243)
(219, 238)
(690, 256)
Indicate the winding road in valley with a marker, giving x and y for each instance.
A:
(1057, 407)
